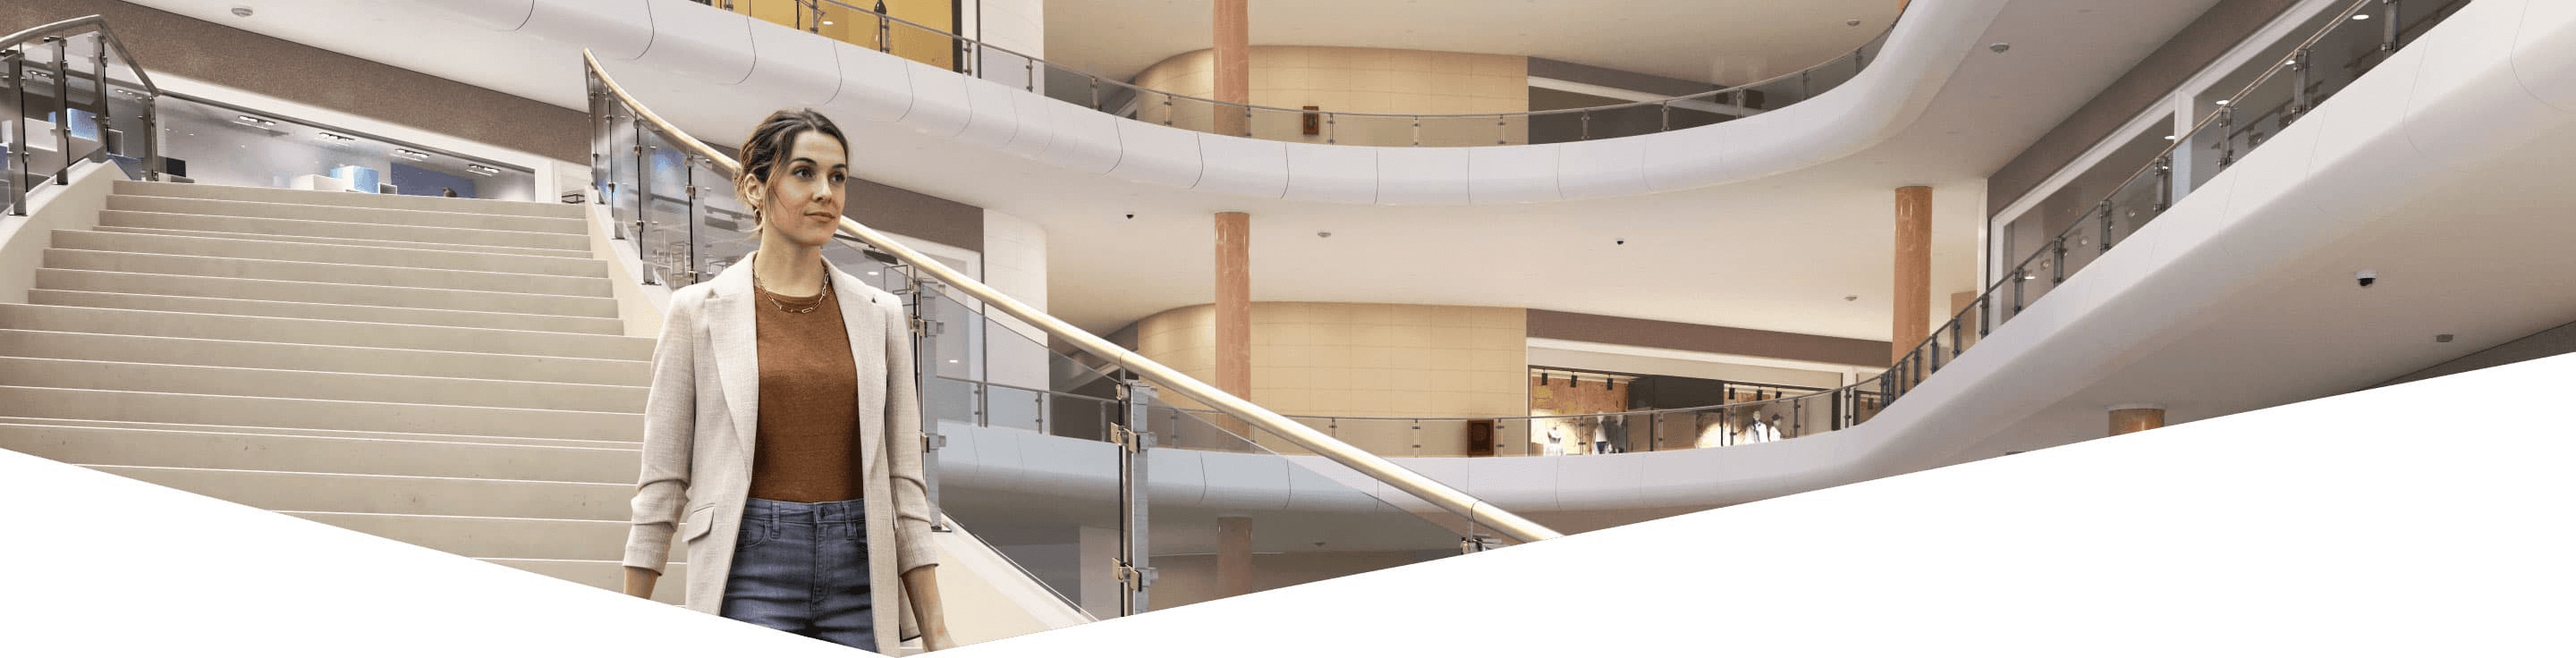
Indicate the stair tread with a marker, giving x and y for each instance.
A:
(270, 269)
(344, 214)
(132, 240)
(211, 191)
(607, 326)
(218, 351)
(307, 433)
(541, 252)
(280, 286)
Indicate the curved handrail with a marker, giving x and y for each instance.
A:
(1375, 467)
(1858, 59)
(58, 28)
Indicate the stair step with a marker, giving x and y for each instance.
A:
(605, 574)
(354, 313)
(365, 275)
(329, 229)
(393, 494)
(313, 253)
(346, 214)
(313, 197)
(314, 454)
(321, 434)
(192, 408)
(494, 537)
(322, 358)
(309, 385)
(321, 332)
(393, 244)
(181, 285)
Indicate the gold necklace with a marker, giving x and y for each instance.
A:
(773, 297)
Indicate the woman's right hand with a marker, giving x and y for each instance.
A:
(639, 582)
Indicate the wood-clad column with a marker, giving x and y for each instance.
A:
(1233, 64)
(2136, 418)
(1234, 303)
(1233, 555)
(1913, 299)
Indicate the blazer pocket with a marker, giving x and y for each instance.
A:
(699, 522)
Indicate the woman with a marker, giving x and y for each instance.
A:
(782, 431)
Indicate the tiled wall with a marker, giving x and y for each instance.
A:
(1365, 360)
(1373, 80)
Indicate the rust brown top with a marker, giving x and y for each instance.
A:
(806, 449)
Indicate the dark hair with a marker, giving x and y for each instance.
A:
(771, 141)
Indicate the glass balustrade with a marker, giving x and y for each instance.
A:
(917, 38)
(2106, 204)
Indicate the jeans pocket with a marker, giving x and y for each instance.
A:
(754, 532)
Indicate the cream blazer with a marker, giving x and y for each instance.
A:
(699, 422)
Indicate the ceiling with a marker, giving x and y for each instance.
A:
(1715, 41)
(1778, 253)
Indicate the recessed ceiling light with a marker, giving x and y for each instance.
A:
(2222, 101)
(2361, 17)
(242, 11)
(827, 22)
(1999, 46)
(2169, 138)
(2441, 338)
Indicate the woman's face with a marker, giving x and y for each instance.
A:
(803, 199)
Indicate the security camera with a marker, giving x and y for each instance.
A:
(2366, 277)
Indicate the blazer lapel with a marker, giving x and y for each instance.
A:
(866, 327)
(736, 343)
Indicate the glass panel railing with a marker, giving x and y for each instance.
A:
(1306, 518)
(68, 93)
(1367, 122)
(2107, 204)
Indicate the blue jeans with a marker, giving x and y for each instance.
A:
(803, 568)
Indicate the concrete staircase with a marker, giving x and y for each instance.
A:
(445, 372)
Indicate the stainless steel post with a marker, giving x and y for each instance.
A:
(1135, 442)
(925, 371)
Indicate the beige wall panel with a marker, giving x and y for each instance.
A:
(1357, 360)
(1370, 80)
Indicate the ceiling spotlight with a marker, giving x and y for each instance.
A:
(409, 154)
(2169, 138)
(1852, 22)
(1851, 298)
(1999, 47)
(242, 11)
(2222, 101)
(1323, 234)
(334, 137)
(2441, 338)
(2361, 17)
(481, 170)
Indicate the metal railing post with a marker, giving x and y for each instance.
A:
(2389, 31)
(2105, 210)
(18, 174)
(2299, 64)
(100, 115)
(2057, 272)
(925, 372)
(1135, 441)
(62, 108)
